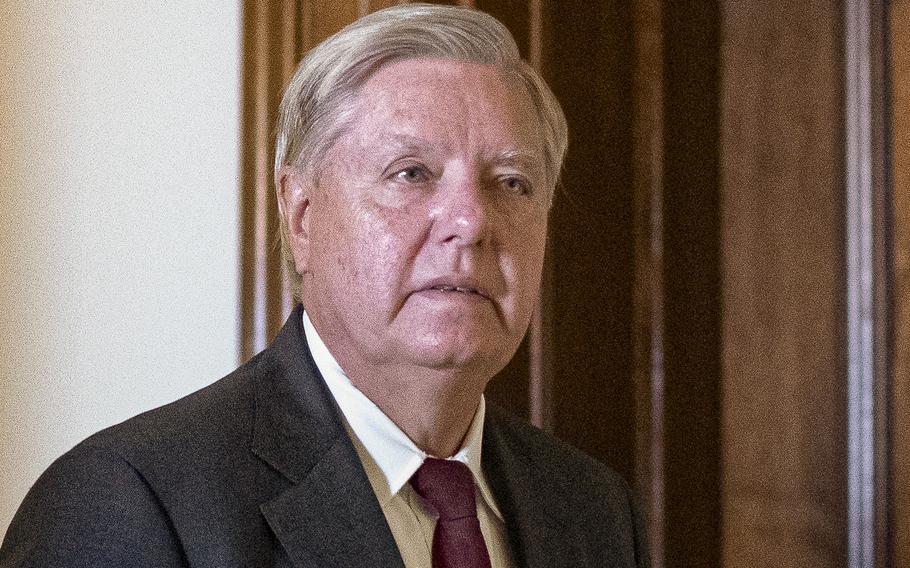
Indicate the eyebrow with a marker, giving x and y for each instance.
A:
(516, 158)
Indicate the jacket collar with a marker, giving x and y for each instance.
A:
(329, 516)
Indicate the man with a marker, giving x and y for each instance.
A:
(416, 162)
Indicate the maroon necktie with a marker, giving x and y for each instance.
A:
(449, 487)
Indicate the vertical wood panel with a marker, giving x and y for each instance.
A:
(900, 132)
(540, 333)
(691, 281)
(866, 291)
(648, 301)
(322, 18)
(276, 34)
(289, 48)
(589, 66)
(264, 295)
(375, 5)
(784, 403)
(515, 14)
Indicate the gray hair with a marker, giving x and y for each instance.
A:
(319, 99)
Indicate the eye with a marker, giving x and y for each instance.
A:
(516, 184)
(412, 174)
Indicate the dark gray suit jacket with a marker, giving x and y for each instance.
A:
(258, 470)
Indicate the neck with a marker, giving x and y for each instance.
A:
(434, 407)
(434, 411)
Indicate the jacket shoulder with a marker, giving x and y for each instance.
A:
(220, 411)
(105, 502)
(90, 508)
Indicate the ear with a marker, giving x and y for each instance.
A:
(294, 192)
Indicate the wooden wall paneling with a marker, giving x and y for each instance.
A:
(691, 282)
(648, 309)
(516, 15)
(276, 35)
(322, 18)
(589, 66)
(540, 332)
(899, 51)
(290, 49)
(267, 57)
(375, 5)
(882, 291)
(449, 2)
(784, 378)
(867, 264)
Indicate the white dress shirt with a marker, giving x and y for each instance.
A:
(390, 458)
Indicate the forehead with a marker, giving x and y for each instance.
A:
(457, 102)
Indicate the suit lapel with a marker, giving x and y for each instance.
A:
(330, 515)
(542, 534)
(332, 518)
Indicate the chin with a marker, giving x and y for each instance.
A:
(475, 357)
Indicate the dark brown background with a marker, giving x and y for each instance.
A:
(692, 331)
(900, 159)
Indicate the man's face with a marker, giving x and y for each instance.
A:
(424, 236)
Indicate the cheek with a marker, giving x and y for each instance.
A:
(522, 267)
(397, 232)
(376, 251)
(528, 246)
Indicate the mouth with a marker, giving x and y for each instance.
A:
(456, 286)
(460, 289)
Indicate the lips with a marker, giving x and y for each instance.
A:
(462, 289)
(456, 285)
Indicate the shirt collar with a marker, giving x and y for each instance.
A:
(390, 457)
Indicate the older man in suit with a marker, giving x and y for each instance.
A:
(417, 157)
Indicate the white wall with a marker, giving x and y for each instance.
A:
(119, 124)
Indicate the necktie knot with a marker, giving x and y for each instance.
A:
(448, 486)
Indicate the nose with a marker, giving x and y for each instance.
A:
(462, 215)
